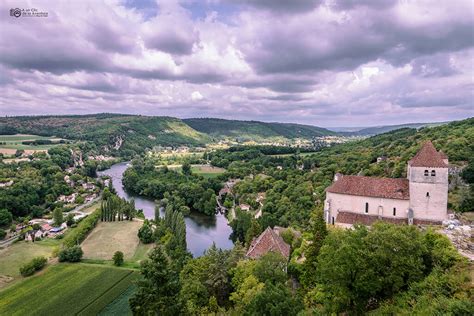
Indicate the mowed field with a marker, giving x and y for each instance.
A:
(12, 257)
(10, 143)
(207, 171)
(67, 289)
(109, 237)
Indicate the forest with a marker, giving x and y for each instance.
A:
(384, 270)
(190, 191)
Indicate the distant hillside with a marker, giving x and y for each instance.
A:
(128, 133)
(375, 130)
(254, 130)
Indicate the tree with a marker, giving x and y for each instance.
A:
(274, 299)
(72, 254)
(145, 233)
(319, 233)
(5, 217)
(58, 216)
(70, 220)
(186, 168)
(118, 258)
(158, 292)
(358, 268)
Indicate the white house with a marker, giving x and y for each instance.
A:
(422, 198)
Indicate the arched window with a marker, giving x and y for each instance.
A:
(427, 194)
(394, 211)
(366, 207)
(433, 173)
(426, 173)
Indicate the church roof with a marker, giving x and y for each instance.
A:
(371, 186)
(428, 156)
(268, 241)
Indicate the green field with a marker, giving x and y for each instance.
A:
(207, 171)
(109, 237)
(14, 142)
(301, 154)
(66, 289)
(12, 257)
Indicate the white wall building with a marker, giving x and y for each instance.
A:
(422, 198)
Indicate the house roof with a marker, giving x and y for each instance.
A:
(370, 186)
(268, 241)
(428, 156)
(364, 219)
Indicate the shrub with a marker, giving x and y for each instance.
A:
(34, 265)
(78, 235)
(118, 258)
(72, 254)
(5, 217)
(145, 233)
(3, 233)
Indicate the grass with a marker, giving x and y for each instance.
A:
(12, 257)
(13, 142)
(206, 171)
(120, 305)
(66, 289)
(301, 154)
(109, 237)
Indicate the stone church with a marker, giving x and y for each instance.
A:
(422, 198)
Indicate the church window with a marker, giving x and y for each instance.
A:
(427, 194)
(394, 211)
(366, 207)
(433, 173)
(426, 173)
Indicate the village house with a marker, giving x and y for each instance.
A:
(421, 198)
(244, 207)
(269, 240)
(88, 186)
(67, 198)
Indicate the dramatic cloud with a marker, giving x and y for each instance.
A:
(321, 62)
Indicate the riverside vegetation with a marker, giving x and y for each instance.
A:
(386, 269)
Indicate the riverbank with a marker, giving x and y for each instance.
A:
(201, 230)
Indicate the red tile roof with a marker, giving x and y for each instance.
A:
(268, 241)
(428, 156)
(370, 186)
(364, 219)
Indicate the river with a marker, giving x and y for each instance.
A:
(201, 230)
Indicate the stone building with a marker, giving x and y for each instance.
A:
(421, 198)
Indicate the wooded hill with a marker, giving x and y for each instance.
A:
(134, 133)
(255, 130)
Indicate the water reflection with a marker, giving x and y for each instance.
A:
(201, 230)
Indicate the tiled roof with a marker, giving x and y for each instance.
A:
(370, 186)
(428, 156)
(268, 241)
(364, 219)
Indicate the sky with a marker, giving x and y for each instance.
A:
(318, 62)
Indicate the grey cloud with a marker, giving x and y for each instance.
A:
(433, 66)
(107, 38)
(281, 6)
(304, 44)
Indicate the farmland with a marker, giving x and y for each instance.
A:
(12, 257)
(9, 144)
(207, 171)
(109, 237)
(90, 288)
